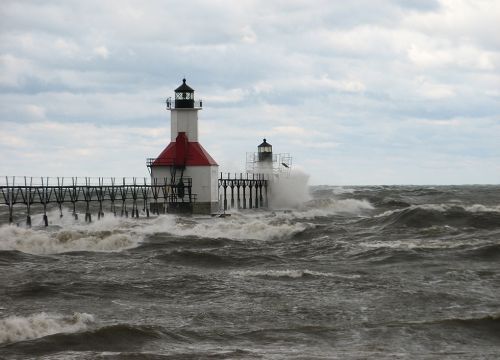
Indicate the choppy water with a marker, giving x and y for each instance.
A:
(364, 272)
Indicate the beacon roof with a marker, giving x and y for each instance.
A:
(184, 87)
(265, 143)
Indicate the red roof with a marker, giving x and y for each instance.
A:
(184, 153)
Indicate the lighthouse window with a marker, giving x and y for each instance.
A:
(265, 149)
(184, 96)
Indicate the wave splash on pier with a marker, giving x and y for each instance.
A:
(65, 235)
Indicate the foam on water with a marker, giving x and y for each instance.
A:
(65, 234)
(236, 227)
(442, 208)
(18, 328)
(116, 234)
(329, 207)
(420, 244)
(476, 208)
(288, 273)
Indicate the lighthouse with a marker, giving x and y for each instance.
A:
(265, 157)
(184, 160)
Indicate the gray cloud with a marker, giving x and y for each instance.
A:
(359, 92)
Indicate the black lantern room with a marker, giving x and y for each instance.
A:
(265, 151)
(184, 96)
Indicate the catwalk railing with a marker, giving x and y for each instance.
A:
(243, 191)
(120, 195)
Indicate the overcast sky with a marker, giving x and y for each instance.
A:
(359, 91)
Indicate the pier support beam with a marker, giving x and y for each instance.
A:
(51, 194)
(246, 188)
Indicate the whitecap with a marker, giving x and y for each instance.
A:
(95, 237)
(237, 227)
(19, 328)
(289, 273)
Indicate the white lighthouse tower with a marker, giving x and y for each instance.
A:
(184, 160)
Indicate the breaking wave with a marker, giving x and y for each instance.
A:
(418, 249)
(427, 215)
(490, 323)
(40, 242)
(65, 234)
(485, 252)
(292, 274)
(487, 325)
(219, 259)
(328, 207)
(236, 227)
(112, 338)
(18, 328)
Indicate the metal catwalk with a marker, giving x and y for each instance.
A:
(243, 191)
(122, 195)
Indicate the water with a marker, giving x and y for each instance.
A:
(363, 272)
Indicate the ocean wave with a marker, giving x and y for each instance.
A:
(394, 203)
(292, 334)
(328, 207)
(207, 258)
(416, 249)
(326, 191)
(186, 355)
(386, 254)
(478, 208)
(9, 257)
(236, 227)
(116, 234)
(18, 328)
(292, 274)
(423, 244)
(488, 324)
(484, 252)
(443, 208)
(407, 244)
(111, 338)
(428, 215)
(41, 241)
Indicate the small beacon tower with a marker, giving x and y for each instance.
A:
(264, 161)
(265, 157)
(184, 158)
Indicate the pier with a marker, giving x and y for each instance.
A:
(123, 196)
(243, 191)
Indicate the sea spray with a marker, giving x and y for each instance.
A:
(289, 191)
(106, 235)
(19, 328)
(258, 226)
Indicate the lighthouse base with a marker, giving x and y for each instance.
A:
(205, 207)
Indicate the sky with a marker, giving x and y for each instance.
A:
(358, 92)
